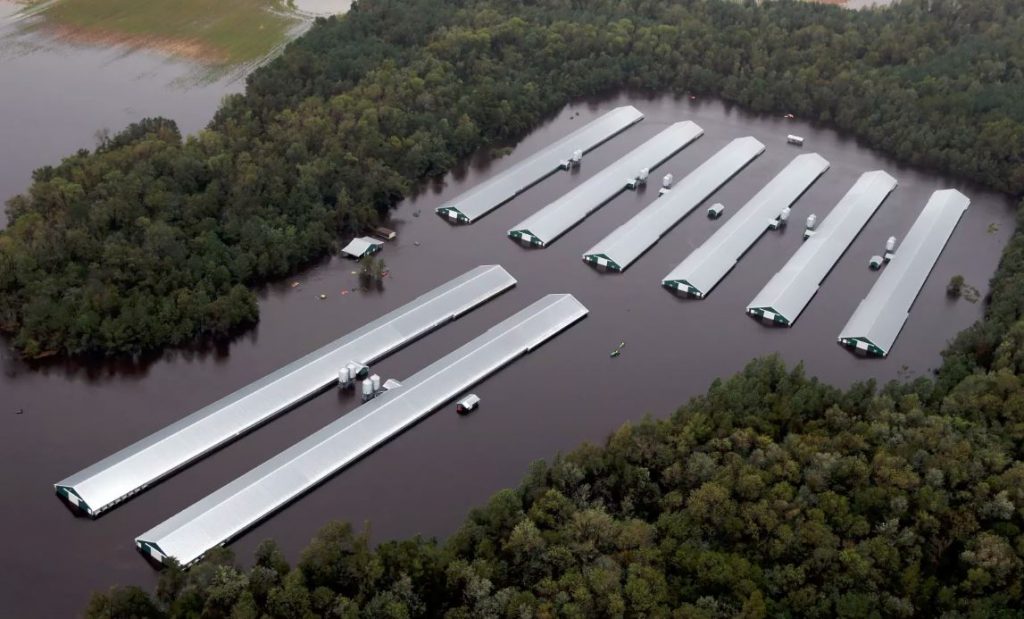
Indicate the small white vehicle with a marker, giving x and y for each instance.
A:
(467, 404)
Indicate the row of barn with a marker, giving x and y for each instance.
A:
(221, 516)
(216, 519)
(878, 319)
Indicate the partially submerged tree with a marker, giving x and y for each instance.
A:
(372, 270)
(955, 287)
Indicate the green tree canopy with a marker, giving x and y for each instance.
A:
(153, 240)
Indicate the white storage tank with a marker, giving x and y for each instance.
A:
(666, 182)
(812, 221)
(644, 173)
(375, 381)
(890, 244)
(343, 378)
(367, 390)
(784, 215)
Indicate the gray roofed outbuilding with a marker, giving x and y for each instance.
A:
(627, 242)
(708, 264)
(231, 510)
(362, 246)
(547, 224)
(499, 189)
(99, 487)
(792, 288)
(879, 318)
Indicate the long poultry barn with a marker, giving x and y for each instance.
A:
(492, 193)
(630, 240)
(790, 291)
(125, 473)
(547, 224)
(880, 316)
(708, 264)
(228, 512)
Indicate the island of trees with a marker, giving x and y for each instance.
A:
(153, 240)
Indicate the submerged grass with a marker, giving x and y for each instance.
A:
(225, 32)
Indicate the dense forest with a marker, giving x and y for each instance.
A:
(771, 496)
(153, 239)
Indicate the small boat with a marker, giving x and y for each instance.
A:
(615, 353)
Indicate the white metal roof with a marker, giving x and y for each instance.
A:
(495, 191)
(128, 471)
(358, 247)
(878, 319)
(709, 263)
(556, 218)
(227, 512)
(791, 289)
(627, 242)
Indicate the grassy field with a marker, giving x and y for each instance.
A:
(214, 32)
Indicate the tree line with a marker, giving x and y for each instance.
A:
(154, 240)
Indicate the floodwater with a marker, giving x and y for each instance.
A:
(566, 392)
(55, 97)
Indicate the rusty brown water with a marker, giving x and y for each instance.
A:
(567, 392)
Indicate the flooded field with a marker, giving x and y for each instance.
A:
(55, 97)
(567, 392)
(59, 90)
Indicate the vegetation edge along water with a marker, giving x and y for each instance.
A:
(153, 240)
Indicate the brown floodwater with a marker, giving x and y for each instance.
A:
(567, 392)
